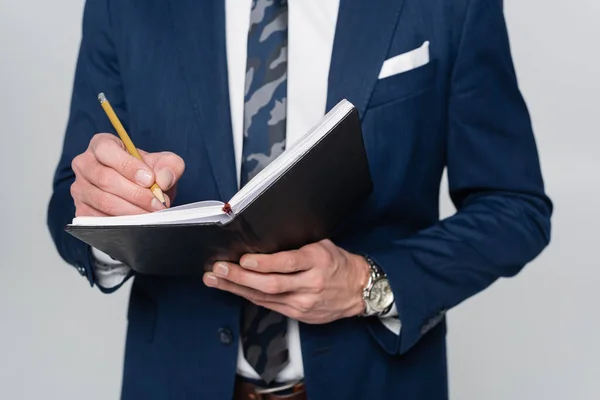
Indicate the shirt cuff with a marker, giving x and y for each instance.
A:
(104, 259)
(392, 313)
(391, 321)
(109, 272)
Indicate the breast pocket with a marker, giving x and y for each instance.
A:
(404, 85)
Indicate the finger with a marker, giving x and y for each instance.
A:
(283, 262)
(168, 168)
(167, 200)
(297, 314)
(83, 210)
(266, 283)
(282, 309)
(171, 194)
(291, 305)
(107, 203)
(110, 181)
(212, 280)
(109, 151)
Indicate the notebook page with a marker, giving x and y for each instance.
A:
(282, 163)
(204, 211)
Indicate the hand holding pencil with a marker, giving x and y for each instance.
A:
(156, 191)
(112, 177)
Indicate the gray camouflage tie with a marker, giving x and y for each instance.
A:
(264, 331)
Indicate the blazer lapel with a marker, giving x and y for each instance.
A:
(199, 32)
(362, 38)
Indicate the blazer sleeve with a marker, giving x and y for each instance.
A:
(96, 71)
(503, 214)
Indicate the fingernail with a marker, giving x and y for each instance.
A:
(165, 179)
(143, 177)
(210, 280)
(249, 263)
(157, 205)
(221, 269)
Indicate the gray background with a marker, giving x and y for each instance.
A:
(531, 337)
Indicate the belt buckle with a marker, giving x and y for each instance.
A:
(262, 391)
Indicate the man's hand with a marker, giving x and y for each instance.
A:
(316, 284)
(109, 181)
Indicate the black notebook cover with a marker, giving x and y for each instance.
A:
(303, 206)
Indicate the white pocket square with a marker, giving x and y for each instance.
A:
(405, 62)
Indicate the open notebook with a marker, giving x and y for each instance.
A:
(299, 198)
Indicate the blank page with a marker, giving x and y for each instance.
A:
(289, 157)
(203, 211)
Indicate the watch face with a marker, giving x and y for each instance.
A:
(381, 295)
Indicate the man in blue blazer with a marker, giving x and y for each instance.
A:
(212, 91)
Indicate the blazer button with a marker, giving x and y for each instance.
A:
(225, 336)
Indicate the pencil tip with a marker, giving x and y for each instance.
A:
(101, 97)
(165, 204)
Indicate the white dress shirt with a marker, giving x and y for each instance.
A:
(311, 32)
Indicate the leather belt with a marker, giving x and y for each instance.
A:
(245, 390)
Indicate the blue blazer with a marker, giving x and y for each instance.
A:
(163, 65)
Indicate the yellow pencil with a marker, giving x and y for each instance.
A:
(127, 141)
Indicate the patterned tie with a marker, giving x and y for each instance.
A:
(264, 331)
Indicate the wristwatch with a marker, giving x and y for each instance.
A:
(377, 294)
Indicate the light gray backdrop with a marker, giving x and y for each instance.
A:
(531, 337)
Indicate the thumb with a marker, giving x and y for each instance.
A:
(168, 167)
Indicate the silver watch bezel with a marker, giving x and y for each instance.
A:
(376, 276)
